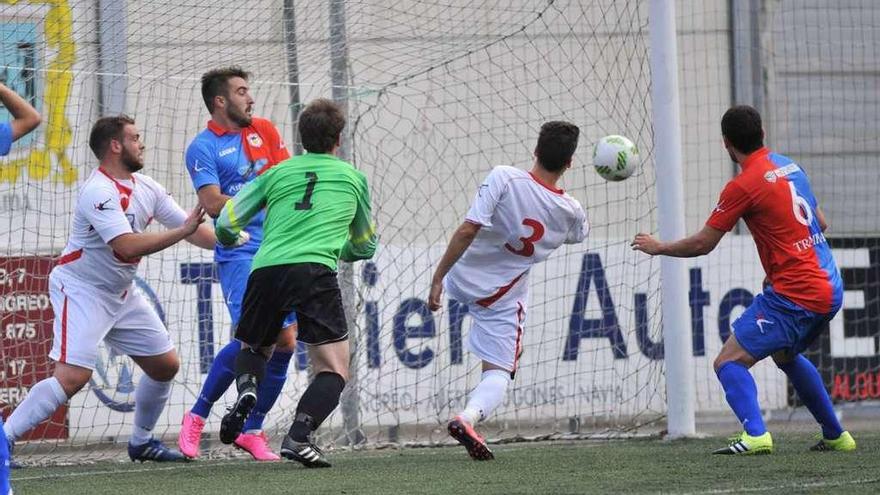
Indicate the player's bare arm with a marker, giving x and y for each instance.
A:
(25, 118)
(461, 239)
(203, 237)
(699, 244)
(820, 215)
(212, 199)
(133, 245)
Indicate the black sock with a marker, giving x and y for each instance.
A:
(250, 368)
(316, 403)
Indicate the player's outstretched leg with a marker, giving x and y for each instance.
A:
(253, 439)
(40, 403)
(149, 402)
(484, 399)
(220, 377)
(315, 405)
(742, 396)
(250, 368)
(465, 434)
(808, 384)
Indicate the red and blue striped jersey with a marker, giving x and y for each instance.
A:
(773, 196)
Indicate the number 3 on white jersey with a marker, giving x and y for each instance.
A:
(528, 243)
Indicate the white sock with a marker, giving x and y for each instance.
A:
(41, 402)
(488, 395)
(149, 401)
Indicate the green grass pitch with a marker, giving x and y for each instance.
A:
(619, 466)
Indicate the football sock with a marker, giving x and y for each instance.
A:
(250, 368)
(742, 395)
(487, 395)
(149, 401)
(220, 377)
(808, 384)
(4, 465)
(41, 402)
(316, 403)
(269, 389)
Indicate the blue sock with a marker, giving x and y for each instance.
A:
(4, 462)
(219, 378)
(269, 389)
(742, 395)
(808, 384)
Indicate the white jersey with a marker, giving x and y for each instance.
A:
(523, 220)
(105, 209)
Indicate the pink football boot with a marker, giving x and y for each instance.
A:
(257, 445)
(190, 435)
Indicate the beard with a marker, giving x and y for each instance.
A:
(132, 162)
(241, 118)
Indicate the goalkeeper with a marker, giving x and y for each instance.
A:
(317, 212)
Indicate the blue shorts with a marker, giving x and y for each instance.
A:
(233, 277)
(772, 323)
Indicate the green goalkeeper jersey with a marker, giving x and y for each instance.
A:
(317, 211)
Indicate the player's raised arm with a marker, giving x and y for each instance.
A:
(25, 118)
(239, 210)
(703, 242)
(733, 204)
(362, 239)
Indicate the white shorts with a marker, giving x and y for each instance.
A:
(496, 334)
(496, 331)
(84, 316)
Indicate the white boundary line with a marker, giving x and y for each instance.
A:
(817, 484)
(246, 461)
(178, 467)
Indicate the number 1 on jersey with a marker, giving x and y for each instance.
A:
(528, 243)
(306, 203)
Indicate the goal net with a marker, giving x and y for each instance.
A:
(437, 93)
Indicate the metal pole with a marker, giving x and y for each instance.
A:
(670, 211)
(339, 79)
(747, 71)
(289, 17)
(112, 57)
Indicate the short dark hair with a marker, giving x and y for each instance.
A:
(741, 125)
(216, 83)
(105, 130)
(320, 125)
(556, 144)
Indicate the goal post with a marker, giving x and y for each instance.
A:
(666, 120)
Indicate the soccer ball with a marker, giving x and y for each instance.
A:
(615, 157)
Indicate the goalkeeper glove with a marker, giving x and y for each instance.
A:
(242, 239)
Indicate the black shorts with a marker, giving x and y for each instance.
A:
(310, 289)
